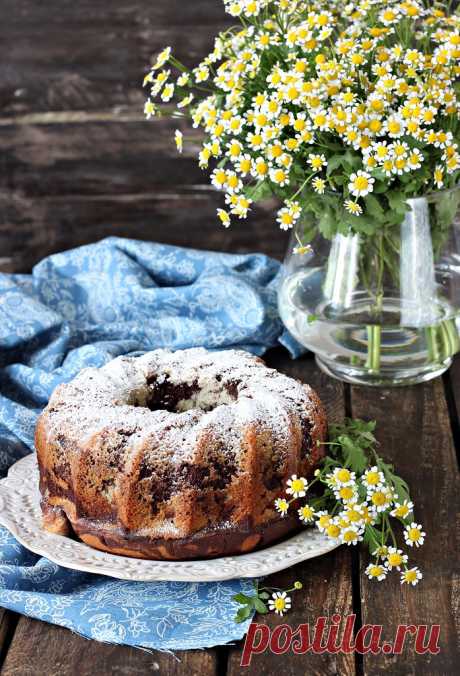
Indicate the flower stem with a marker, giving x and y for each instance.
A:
(374, 334)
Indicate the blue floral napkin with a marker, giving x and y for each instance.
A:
(82, 308)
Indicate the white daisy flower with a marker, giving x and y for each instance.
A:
(403, 509)
(306, 514)
(361, 184)
(395, 558)
(282, 506)
(297, 486)
(375, 571)
(411, 576)
(280, 602)
(413, 535)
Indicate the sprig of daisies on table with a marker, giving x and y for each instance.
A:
(264, 600)
(360, 501)
(358, 498)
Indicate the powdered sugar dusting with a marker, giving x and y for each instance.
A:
(233, 388)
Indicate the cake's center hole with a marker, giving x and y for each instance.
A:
(179, 397)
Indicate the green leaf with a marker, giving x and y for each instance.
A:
(327, 223)
(374, 207)
(260, 191)
(264, 595)
(362, 224)
(397, 201)
(260, 606)
(354, 455)
(333, 163)
(242, 598)
(243, 614)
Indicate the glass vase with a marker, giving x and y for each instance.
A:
(379, 309)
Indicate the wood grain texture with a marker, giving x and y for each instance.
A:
(40, 649)
(31, 228)
(98, 158)
(66, 185)
(327, 580)
(7, 626)
(414, 431)
(86, 55)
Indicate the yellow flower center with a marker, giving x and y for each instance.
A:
(350, 535)
(292, 93)
(410, 575)
(346, 493)
(221, 177)
(389, 15)
(361, 183)
(320, 120)
(372, 478)
(353, 515)
(414, 534)
(324, 520)
(280, 176)
(343, 475)
(375, 126)
(395, 559)
(379, 498)
(262, 168)
(233, 181)
(333, 531)
(375, 571)
(287, 219)
(245, 165)
(280, 604)
(235, 150)
(297, 485)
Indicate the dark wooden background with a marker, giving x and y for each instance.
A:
(78, 163)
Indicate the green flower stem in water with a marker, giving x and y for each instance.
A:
(374, 334)
(442, 341)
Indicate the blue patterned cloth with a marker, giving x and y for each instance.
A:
(83, 308)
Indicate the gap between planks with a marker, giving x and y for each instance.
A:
(116, 114)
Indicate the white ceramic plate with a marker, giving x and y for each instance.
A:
(20, 513)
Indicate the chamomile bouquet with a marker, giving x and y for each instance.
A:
(343, 112)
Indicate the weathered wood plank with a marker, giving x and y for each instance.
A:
(31, 228)
(98, 158)
(39, 648)
(66, 185)
(414, 430)
(327, 580)
(64, 55)
(7, 625)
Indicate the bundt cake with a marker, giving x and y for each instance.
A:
(175, 455)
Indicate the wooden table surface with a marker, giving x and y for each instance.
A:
(78, 163)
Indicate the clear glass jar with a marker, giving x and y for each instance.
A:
(379, 309)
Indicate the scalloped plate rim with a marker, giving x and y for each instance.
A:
(22, 483)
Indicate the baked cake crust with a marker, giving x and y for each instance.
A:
(176, 455)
